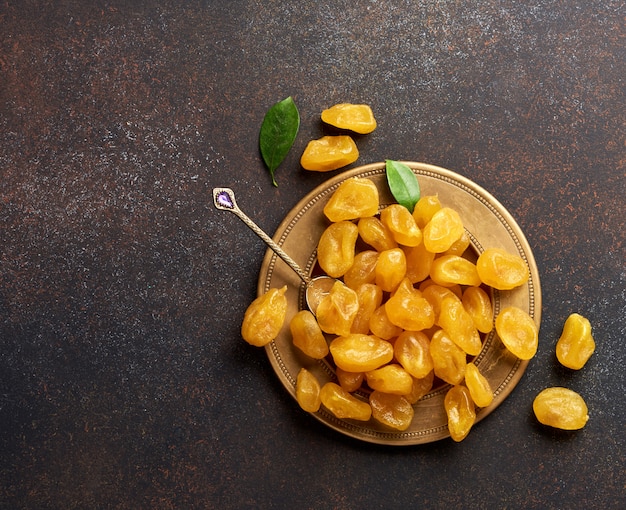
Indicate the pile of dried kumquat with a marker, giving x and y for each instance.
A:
(408, 309)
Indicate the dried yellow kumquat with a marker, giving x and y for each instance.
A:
(575, 345)
(308, 391)
(329, 153)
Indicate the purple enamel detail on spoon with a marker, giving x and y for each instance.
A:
(224, 199)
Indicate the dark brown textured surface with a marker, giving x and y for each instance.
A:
(124, 382)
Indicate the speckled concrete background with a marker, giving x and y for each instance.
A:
(124, 382)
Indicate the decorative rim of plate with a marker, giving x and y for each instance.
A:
(286, 359)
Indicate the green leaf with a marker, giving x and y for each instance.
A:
(278, 132)
(403, 184)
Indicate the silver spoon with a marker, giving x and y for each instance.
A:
(316, 288)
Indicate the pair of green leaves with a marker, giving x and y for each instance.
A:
(403, 184)
(278, 132)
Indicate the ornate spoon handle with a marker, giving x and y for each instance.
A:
(224, 199)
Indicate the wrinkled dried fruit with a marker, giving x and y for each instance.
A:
(354, 198)
(421, 387)
(412, 350)
(329, 153)
(459, 326)
(308, 391)
(360, 353)
(390, 269)
(381, 326)
(501, 270)
(343, 404)
(425, 208)
(443, 230)
(435, 294)
(376, 234)
(307, 335)
(264, 318)
(370, 298)
(518, 332)
(478, 304)
(576, 345)
(418, 262)
(390, 378)
(353, 117)
(337, 310)
(335, 250)
(460, 245)
(393, 411)
(363, 269)
(460, 410)
(449, 270)
(449, 360)
(402, 225)
(349, 381)
(561, 408)
(478, 386)
(407, 309)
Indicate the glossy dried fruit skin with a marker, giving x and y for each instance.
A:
(460, 245)
(478, 386)
(402, 225)
(353, 117)
(443, 230)
(412, 350)
(425, 209)
(477, 303)
(344, 405)
(265, 317)
(381, 326)
(390, 378)
(502, 270)
(576, 344)
(408, 310)
(449, 360)
(435, 294)
(349, 381)
(329, 153)
(360, 353)
(376, 234)
(390, 269)
(420, 387)
(354, 198)
(363, 269)
(561, 408)
(518, 332)
(308, 391)
(460, 411)
(337, 310)
(418, 262)
(449, 270)
(335, 250)
(394, 411)
(307, 335)
(370, 297)
(459, 326)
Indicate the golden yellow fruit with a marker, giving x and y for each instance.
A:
(576, 345)
(354, 198)
(329, 153)
(561, 408)
(353, 117)
(264, 318)
(344, 405)
(308, 391)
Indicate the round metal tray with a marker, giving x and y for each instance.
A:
(488, 224)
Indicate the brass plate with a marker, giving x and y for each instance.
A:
(489, 225)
